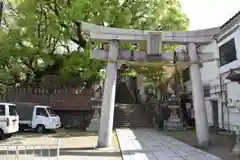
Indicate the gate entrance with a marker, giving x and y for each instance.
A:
(154, 40)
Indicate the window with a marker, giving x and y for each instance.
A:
(206, 91)
(51, 112)
(12, 110)
(41, 112)
(2, 110)
(227, 52)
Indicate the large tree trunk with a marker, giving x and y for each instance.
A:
(1, 12)
(159, 98)
(177, 82)
(159, 94)
(158, 120)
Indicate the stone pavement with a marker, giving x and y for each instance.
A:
(149, 144)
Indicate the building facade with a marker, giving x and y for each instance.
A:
(222, 95)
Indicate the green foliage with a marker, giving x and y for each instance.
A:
(159, 76)
(42, 36)
(154, 76)
(81, 65)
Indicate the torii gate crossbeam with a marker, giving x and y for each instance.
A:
(154, 40)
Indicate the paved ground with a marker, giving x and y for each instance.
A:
(149, 144)
(74, 145)
(221, 145)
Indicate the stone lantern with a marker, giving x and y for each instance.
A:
(95, 121)
(175, 120)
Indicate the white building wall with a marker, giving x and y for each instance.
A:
(209, 112)
(211, 74)
(231, 114)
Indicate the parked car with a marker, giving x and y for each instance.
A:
(9, 120)
(37, 117)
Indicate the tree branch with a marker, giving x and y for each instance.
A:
(80, 41)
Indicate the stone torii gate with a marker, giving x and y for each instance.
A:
(154, 40)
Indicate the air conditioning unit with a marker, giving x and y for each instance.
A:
(231, 103)
(237, 104)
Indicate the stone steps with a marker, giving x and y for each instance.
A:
(124, 95)
(131, 115)
(130, 126)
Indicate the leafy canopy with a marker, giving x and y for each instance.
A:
(40, 37)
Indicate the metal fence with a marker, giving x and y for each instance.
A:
(30, 151)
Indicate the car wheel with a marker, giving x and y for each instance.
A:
(1, 134)
(40, 129)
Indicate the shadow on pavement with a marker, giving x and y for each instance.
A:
(61, 133)
(221, 145)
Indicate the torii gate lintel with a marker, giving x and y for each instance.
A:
(136, 36)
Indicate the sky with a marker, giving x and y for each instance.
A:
(209, 13)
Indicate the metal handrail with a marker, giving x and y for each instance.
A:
(149, 112)
(33, 147)
(146, 109)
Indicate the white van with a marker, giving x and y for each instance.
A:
(9, 120)
(37, 117)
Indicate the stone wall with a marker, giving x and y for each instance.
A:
(60, 99)
(73, 107)
(75, 119)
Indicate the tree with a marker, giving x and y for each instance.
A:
(38, 41)
(1, 12)
(160, 76)
(157, 77)
(48, 37)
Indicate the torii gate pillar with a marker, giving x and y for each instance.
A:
(198, 98)
(108, 102)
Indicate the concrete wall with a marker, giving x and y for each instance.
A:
(75, 119)
(59, 98)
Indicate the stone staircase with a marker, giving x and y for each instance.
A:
(124, 95)
(131, 115)
(128, 113)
